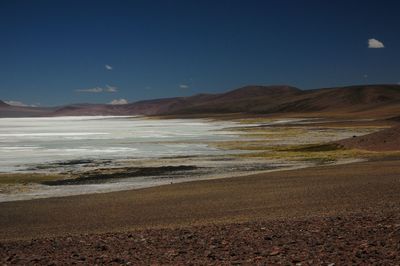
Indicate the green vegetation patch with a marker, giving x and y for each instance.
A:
(316, 148)
(242, 145)
(275, 143)
(27, 178)
(319, 153)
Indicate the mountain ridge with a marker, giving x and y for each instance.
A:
(253, 99)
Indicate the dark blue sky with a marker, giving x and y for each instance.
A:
(55, 52)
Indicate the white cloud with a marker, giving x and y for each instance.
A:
(110, 89)
(91, 90)
(108, 67)
(99, 89)
(184, 86)
(20, 104)
(118, 102)
(374, 43)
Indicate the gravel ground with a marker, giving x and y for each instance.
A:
(332, 215)
(339, 240)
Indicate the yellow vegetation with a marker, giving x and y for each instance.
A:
(26, 178)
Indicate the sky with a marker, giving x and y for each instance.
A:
(61, 52)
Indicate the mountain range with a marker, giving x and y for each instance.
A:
(362, 100)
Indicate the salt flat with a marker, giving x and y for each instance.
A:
(25, 142)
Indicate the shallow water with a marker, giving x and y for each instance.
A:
(25, 142)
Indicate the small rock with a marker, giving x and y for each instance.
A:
(275, 251)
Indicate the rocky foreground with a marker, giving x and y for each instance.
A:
(339, 240)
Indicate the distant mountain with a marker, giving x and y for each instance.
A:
(3, 104)
(365, 100)
(374, 99)
(7, 110)
(89, 110)
(156, 107)
(239, 100)
(243, 99)
(344, 99)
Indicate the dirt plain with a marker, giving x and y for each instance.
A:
(276, 217)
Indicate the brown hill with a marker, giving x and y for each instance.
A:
(243, 99)
(343, 99)
(239, 100)
(385, 140)
(155, 107)
(89, 110)
(7, 110)
(369, 101)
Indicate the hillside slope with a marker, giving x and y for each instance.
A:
(89, 110)
(239, 100)
(385, 140)
(344, 99)
(363, 101)
(20, 111)
(243, 100)
(378, 100)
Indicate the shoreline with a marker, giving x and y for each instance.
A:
(326, 190)
(72, 187)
